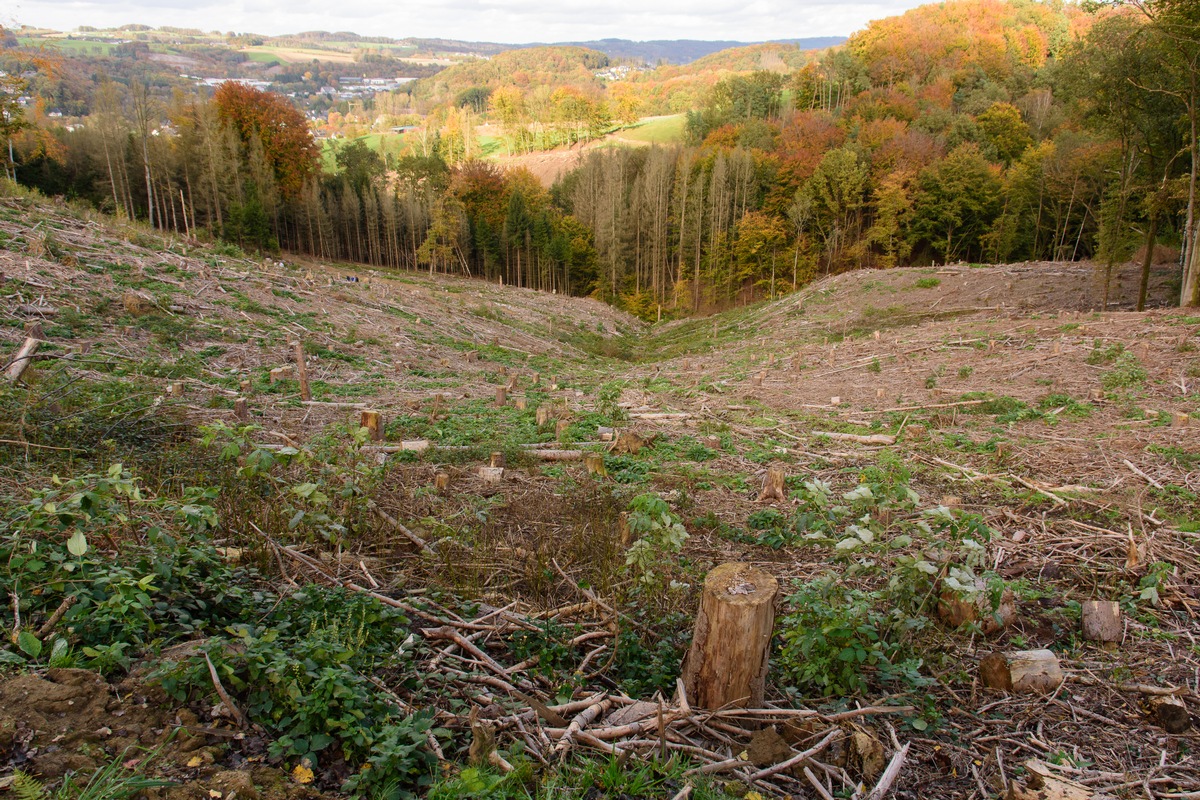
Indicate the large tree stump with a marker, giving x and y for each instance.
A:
(373, 422)
(773, 485)
(1021, 671)
(501, 396)
(727, 663)
(1101, 620)
(240, 409)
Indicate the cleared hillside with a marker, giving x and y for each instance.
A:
(468, 569)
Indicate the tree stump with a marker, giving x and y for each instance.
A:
(1021, 671)
(175, 388)
(279, 373)
(245, 387)
(501, 396)
(1179, 419)
(956, 611)
(302, 373)
(773, 486)
(472, 357)
(543, 415)
(605, 434)
(240, 410)
(756, 379)
(496, 460)
(491, 474)
(521, 403)
(441, 481)
(727, 662)
(594, 462)
(560, 429)
(373, 422)
(1171, 714)
(1101, 620)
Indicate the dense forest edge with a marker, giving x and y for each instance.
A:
(1015, 132)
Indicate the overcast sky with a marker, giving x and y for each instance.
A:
(513, 21)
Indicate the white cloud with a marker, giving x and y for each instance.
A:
(480, 20)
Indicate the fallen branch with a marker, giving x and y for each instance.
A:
(238, 717)
(874, 438)
(890, 774)
(403, 530)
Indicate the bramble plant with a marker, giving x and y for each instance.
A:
(659, 531)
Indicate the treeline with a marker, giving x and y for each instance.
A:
(979, 131)
(243, 166)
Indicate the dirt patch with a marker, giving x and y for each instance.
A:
(72, 721)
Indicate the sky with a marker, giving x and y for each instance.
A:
(509, 21)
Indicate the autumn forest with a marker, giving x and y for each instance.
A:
(970, 131)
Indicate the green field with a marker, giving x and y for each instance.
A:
(392, 144)
(660, 130)
(74, 47)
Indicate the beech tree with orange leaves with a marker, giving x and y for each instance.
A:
(268, 121)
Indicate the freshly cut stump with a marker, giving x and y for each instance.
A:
(1101, 620)
(1021, 671)
(727, 663)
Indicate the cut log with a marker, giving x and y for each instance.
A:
(22, 359)
(1021, 671)
(727, 663)
(595, 464)
(302, 372)
(558, 455)
(240, 409)
(773, 486)
(874, 438)
(501, 396)
(1171, 714)
(373, 422)
(1101, 620)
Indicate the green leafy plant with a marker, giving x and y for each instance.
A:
(658, 530)
(835, 640)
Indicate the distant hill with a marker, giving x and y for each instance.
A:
(684, 51)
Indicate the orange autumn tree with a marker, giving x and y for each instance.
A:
(268, 121)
